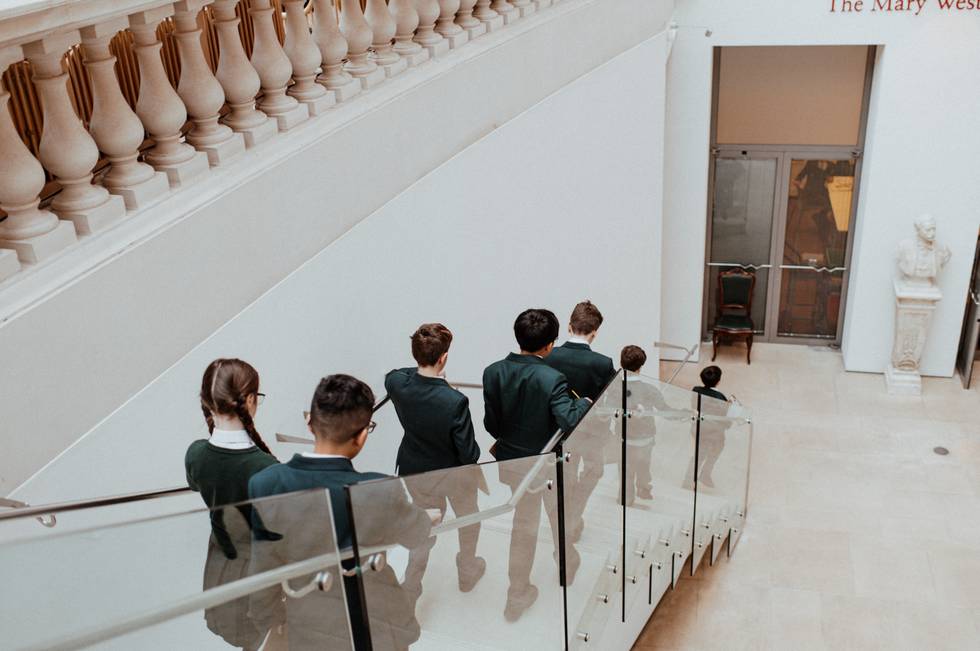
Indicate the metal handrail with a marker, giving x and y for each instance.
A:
(207, 599)
(63, 507)
(689, 352)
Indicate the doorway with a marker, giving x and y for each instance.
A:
(970, 338)
(785, 211)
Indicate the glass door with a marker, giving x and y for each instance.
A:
(741, 225)
(815, 230)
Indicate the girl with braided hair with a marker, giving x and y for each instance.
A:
(219, 468)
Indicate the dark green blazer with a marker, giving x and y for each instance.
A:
(526, 402)
(437, 422)
(587, 371)
(384, 516)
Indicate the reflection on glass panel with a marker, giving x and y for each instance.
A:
(594, 518)
(486, 574)
(818, 219)
(173, 582)
(741, 225)
(660, 495)
(723, 467)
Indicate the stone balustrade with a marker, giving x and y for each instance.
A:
(108, 106)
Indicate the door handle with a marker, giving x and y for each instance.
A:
(802, 267)
(739, 264)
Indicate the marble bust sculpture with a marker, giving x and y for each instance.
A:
(920, 259)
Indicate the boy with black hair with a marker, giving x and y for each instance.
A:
(438, 434)
(340, 420)
(712, 432)
(588, 373)
(527, 402)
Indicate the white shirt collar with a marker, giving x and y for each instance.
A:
(314, 455)
(575, 339)
(231, 439)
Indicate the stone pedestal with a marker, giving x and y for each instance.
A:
(914, 306)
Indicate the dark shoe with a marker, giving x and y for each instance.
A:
(517, 604)
(470, 572)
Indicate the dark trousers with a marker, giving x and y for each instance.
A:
(586, 478)
(527, 521)
(462, 496)
(638, 475)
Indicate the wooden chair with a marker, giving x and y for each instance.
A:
(733, 320)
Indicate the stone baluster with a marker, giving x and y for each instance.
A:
(359, 36)
(239, 79)
(525, 7)
(32, 233)
(469, 22)
(274, 70)
(159, 106)
(383, 25)
(446, 24)
(426, 35)
(489, 17)
(333, 51)
(406, 22)
(202, 94)
(115, 127)
(506, 10)
(305, 57)
(544, 4)
(66, 148)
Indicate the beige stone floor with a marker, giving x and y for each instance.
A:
(858, 536)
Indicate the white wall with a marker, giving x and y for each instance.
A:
(77, 339)
(560, 204)
(923, 135)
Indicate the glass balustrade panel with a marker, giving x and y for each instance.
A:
(591, 469)
(462, 558)
(659, 487)
(234, 577)
(724, 457)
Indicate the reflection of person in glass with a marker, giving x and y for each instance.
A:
(588, 372)
(438, 434)
(645, 400)
(340, 420)
(219, 468)
(527, 402)
(714, 403)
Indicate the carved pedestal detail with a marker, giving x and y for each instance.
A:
(914, 306)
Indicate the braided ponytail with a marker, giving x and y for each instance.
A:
(225, 389)
(242, 412)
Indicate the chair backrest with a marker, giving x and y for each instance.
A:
(735, 289)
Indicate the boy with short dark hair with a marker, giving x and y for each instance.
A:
(340, 420)
(438, 434)
(527, 402)
(588, 373)
(712, 432)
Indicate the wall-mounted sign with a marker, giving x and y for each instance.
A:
(913, 7)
